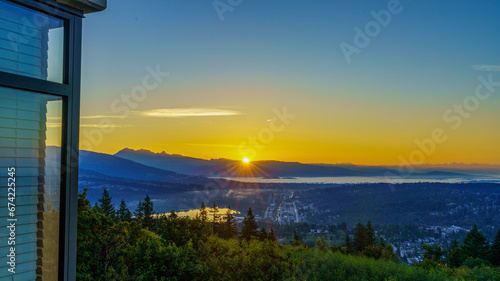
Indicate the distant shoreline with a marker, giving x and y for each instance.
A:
(359, 180)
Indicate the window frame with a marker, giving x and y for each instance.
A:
(69, 90)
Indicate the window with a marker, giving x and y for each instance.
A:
(30, 143)
(31, 43)
(39, 108)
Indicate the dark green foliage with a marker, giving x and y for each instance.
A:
(102, 244)
(475, 262)
(271, 236)
(262, 234)
(123, 213)
(203, 212)
(144, 212)
(180, 248)
(370, 234)
(455, 255)
(495, 250)
(139, 211)
(229, 228)
(322, 244)
(83, 202)
(377, 251)
(475, 244)
(334, 266)
(433, 252)
(365, 243)
(349, 249)
(249, 228)
(147, 208)
(246, 261)
(363, 237)
(105, 206)
(181, 230)
(296, 241)
(215, 220)
(153, 259)
(381, 241)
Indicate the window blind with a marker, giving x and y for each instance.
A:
(23, 136)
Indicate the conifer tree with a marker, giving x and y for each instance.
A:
(296, 241)
(382, 242)
(433, 252)
(322, 244)
(271, 236)
(230, 229)
(203, 212)
(250, 227)
(495, 250)
(105, 206)
(263, 234)
(139, 211)
(348, 244)
(370, 234)
(148, 220)
(475, 244)
(455, 256)
(123, 213)
(215, 220)
(360, 238)
(83, 202)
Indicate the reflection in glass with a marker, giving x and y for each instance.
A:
(31, 43)
(30, 142)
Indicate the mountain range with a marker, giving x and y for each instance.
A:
(113, 166)
(174, 180)
(268, 169)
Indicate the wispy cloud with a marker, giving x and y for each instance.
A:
(58, 125)
(100, 116)
(53, 125)
(213, 145)
(187, 112)
(486, 67)
(90, 117)
(105, 126)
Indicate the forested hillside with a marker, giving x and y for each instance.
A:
(117, 244)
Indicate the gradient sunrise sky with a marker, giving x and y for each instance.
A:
(226, 77)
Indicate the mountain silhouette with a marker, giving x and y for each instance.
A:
(268, 169)
(123, 168)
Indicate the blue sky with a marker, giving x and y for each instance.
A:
(288, 52)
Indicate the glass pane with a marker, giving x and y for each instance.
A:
(30, 173)
(31, 43)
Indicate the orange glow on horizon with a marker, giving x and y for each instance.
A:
(325, 130)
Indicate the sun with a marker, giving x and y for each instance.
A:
(246, 160)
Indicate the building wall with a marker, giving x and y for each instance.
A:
(23, 135)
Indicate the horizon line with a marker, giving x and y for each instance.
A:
(310, 163)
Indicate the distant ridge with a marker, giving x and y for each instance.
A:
(268, 169)
(460, 168)
(170, 162)
(113, 166)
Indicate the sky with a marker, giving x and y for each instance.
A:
(307, 81)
